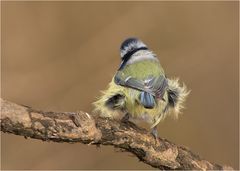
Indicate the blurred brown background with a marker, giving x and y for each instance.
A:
(59, 55)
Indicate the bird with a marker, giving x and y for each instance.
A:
(140, 88)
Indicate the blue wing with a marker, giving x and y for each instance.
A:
(151, 88)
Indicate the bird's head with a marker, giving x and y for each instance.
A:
(131, 46)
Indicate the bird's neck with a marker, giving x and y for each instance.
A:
(141, 56)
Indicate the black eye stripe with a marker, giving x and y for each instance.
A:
(128, 55)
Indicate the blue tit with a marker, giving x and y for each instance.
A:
(140, 88)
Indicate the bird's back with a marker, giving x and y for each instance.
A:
(143, 69)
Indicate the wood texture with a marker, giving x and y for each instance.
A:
(85, 128)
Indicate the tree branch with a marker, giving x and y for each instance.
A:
(84, 128)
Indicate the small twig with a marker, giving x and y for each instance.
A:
(88, 129)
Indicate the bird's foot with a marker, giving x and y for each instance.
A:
(154, 132)
(125, 118)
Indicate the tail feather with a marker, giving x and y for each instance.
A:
(147, 100)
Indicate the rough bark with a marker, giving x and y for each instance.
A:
(84, 128)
